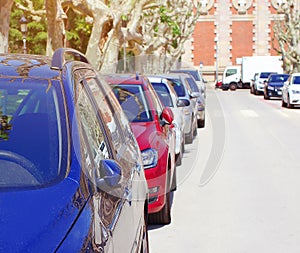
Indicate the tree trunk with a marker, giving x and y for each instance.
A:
(5, 10)
(56, 27)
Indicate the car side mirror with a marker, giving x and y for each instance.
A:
(110, 175)
(183, 102)
(167, 115)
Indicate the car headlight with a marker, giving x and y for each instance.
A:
(150, 158)
(270, 88)
(296, 91)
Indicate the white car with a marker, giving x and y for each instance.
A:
(169, 98)
(291, 91)
(258, 83)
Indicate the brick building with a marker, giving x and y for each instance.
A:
(230, 29)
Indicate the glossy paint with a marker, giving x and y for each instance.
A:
(154, 134)
(95, 203)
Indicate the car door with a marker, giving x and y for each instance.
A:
(127, 202)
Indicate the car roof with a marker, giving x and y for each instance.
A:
(29, 66)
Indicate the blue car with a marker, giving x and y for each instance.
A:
(273, 86)
(71, 173)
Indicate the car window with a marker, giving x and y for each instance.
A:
(231, 72)
(155, 99)
(264, 74)
(178, 87)
(95, 146)
(133, 101)
(31, 136)
(193, 85)
(163, 94)
(296, 80)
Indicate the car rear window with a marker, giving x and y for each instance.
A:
(30, 132)
(133, 101)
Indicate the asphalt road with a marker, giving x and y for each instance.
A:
(239, 184)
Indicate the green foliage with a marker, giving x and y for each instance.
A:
(36, 36)
(77, 34)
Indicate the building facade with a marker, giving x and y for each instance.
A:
(230, 29)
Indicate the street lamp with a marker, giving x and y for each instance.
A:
(217, 56)
(23, 24)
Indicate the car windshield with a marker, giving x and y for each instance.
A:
(278, 78)
(296, 80)
(30, 132)
(133, 101)
(163, 93)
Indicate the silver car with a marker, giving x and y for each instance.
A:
(169, 98)
(180, 84)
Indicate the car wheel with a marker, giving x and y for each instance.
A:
(201, 123)
(164, 215)
(233, 86)
(283, 104)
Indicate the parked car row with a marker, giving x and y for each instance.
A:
(88, 161)
(283, 86)
(163, 111)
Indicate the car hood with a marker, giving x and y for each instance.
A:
(146, 134)
(38, 220)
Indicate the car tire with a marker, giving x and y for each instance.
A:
(163, 217)
(233, 86)
(201, 123)
(283, 104)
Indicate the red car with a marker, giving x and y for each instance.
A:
(152, 126)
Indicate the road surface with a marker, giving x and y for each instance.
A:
(239, 184)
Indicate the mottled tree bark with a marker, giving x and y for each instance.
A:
(56, 28)
(5, 10)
